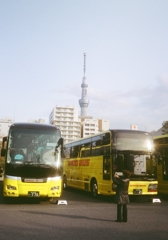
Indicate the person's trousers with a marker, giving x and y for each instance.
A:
(122, 212)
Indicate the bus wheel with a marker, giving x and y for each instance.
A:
(94, 188)
(64, 183)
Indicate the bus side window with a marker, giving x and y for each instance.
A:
(97, 146)
(85, 152)
(97, 151)
(67, 152)
(85, 148)
(106, 144)
(71, 155)
(74, 151)
(106, 139)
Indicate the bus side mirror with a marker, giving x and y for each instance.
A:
(62, 148)
(3, 152)
(4, 143)
(60, 142)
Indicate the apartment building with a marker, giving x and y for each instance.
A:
(40, 120)
(103, 124)
(66, 118)
(91, 126)
(4, 127)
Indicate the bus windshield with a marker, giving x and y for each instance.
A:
(133, 142)
(161, 147)
(134, 151)
(33, 146)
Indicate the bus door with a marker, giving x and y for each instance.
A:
(106, 152)
(75, 170)
(84, 164)
(163, 176)
(2, 155)
(106, 168)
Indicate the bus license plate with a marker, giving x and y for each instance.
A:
(137, 191)
(33, 194)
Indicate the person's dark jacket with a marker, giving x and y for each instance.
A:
(122, 190)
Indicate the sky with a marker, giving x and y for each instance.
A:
(42, 46)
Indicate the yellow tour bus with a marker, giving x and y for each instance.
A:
(91, 162)
(33, 163)
(161, 148)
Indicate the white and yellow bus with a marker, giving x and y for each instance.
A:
(33, 163)
(90, 162)
(161, 148)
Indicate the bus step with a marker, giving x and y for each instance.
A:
(58, 202)
(62, 202)
(156, 200)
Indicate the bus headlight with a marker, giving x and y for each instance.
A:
(152, 187)
(54, 188)
(149, 145)
(10, 187)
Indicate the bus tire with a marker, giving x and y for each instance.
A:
(94, 188)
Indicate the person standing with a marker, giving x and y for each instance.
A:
(122, 197)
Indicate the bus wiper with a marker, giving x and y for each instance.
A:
(44, 165)
(25, 163)
(35, 164)
(32, 163)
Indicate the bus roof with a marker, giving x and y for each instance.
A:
(112, 131)
(34, 125)
(128, 131)
(160, 136)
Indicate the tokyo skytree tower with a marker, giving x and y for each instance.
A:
(84, 102)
